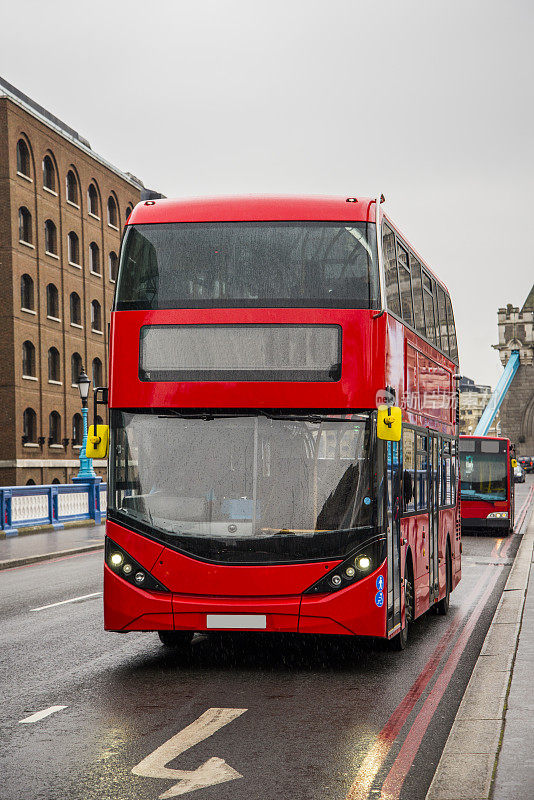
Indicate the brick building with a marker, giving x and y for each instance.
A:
(62, 209)
(473, 400)
(516, 332)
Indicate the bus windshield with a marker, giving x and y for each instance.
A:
(484, 476)
(244, 489)
(249, 265)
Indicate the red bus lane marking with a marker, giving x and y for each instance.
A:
(394, 781)
(379, 751)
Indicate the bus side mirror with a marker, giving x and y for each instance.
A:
(97, 443)
(389, 423)
(514, 463)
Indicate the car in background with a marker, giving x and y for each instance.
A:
(527, 462)
(519, 474)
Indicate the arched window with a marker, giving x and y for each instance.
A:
(29, 426)
(112, 212)
(72, 188)
(75, 309)
(23, 158)
(99, 420)
(56, 480)
(52, 301)
(25, 225)
(97, 372)
(49, 174)
(94, 258)
(113, 266)
(74, 248)
(54, 373)
(96, 316)
(92, 201)
(50, 237)
(28, 359)
(54, 428)
(26, 293)
(30, 482)
(75, 368)
(129, 210)
(77, 429)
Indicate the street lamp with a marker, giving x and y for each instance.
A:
(86, 464)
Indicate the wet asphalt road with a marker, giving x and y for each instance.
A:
(317, 710)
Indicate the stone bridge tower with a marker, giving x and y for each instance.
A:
(516, 332)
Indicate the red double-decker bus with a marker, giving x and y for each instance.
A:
(487, 483)
(263, 352)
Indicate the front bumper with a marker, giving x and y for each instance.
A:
(472, 523)
(350, 611)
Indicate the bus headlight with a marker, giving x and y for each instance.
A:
(353, 569)
(123, 565)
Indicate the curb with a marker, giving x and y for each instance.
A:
(469, 760)
(29, 530)
(24, 562)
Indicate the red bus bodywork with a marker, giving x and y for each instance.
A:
(488, 513)
(378, 351)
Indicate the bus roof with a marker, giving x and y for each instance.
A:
(264, 208)
(472, 436)
(253, 208)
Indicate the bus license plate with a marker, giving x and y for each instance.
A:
(236, 621)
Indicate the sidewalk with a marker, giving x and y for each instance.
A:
(34, 547)
(515, 767)
(490, 749)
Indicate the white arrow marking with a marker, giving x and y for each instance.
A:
(213, 771)
(39, 715)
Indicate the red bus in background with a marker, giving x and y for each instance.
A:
(251, 484)
(487, 483)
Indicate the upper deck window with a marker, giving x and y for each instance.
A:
(249, 264)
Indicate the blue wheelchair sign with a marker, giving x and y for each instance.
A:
(379, 599)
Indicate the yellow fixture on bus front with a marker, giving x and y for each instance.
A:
(389, 423)
(514, 463)
(97, 444)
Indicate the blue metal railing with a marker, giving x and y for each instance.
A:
(497, 397)
(55, 504)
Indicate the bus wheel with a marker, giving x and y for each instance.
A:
(442, 607)
(400, 641)
(176, 639)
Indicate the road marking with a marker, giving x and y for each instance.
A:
(211, 772)
(379, 751)
(39, 715)
(72, 600)
(392, 786)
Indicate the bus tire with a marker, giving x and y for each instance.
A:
(400, 641)
(175, 639)
(442, 606)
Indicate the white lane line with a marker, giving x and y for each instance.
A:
(72, 600)
(41, 714)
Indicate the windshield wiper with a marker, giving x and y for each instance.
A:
(301, 417)
(211, 415)
(206, 415)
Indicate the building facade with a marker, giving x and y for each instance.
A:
(473, 400)
(516, 332)
(62, 210)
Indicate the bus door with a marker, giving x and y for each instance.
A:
(433, 515)
(394, 465)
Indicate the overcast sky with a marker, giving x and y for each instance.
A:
(429, 102)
